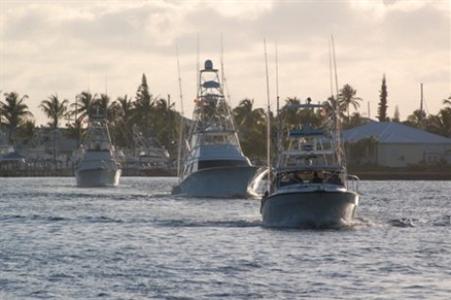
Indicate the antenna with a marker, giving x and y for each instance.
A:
(335, 64)
(331, 80)
(277, 76)
(89, 82)
(222, 61)
(106, 84)
(182, 125)
(369, 110)
(268, 126)
(197, 65)
(75, 120)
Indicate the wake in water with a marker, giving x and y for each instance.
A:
(403, 222)
(209, 223)
(444, 221)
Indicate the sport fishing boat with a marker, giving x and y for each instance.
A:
(98, 165)
(213, 162)
(310, 187)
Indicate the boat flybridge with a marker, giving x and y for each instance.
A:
(309, 186)
(213, 162)
(98, 165)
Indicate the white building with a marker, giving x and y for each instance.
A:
(398, 145)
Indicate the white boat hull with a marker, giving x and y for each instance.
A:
(101, 177)
(221, 182)
(309, 209)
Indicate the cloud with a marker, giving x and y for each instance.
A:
(69, 45)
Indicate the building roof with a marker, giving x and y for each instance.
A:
(393, 133)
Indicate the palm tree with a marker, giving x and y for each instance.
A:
(164, 120)
(55, 109)
(416, 119)
(102, 107)
(124, 107)
(329, 108)
(290, 117)
(347, 97)
(14, 111)
(440, 123)
(447, 101)
(246, 117)
(251, 125)
(144, 107)
(84, 105)
(75, 130)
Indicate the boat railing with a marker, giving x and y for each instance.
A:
(302, 153)
(353, 182)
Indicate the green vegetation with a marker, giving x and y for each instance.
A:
(347, 98)
(156, 117)
(55, 109)
(15, 113)
(382, 110)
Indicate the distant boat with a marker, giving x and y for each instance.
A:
(309, 185)
(98, 166)
(148, 158)
(213, 162)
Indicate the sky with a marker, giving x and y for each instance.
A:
(65, 47)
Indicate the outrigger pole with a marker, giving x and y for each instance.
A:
(279, 120)
(197, 67)
(340, 158)
(223, 77)
(268, 116)
(182, 118)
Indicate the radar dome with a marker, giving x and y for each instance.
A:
(208, 65)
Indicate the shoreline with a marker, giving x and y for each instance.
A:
(362, 174)
(401, 175)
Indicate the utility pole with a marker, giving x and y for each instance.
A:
(421, 97)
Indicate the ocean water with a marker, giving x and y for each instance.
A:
(137, 241)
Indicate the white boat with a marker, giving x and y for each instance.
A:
(97, 166)
(309, 185)
(213, 162)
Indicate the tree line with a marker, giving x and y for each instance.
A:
(156, 116)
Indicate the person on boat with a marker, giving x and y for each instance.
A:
(297, 177)
(335, 179)
(316, 178)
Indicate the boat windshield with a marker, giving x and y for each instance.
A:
(308, 177)
(215, 139)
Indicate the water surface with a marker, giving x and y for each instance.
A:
(137, 241)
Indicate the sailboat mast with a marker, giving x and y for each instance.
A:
(179, 153)
(268, 123)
